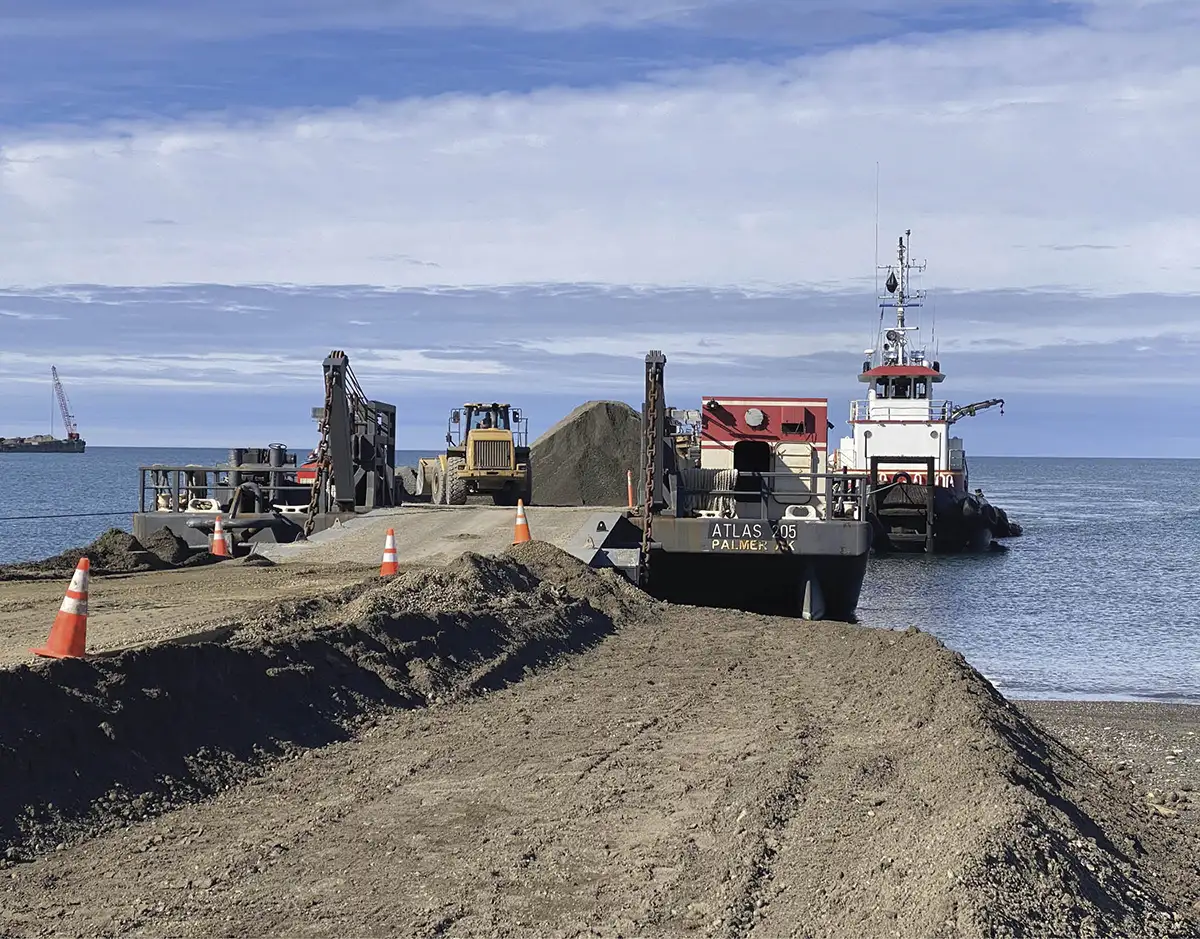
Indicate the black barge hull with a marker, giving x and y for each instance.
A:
(812, 570)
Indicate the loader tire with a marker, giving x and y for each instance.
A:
(455, 487)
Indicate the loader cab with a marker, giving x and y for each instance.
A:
(487, 417)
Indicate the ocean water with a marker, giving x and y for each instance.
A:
(1100, 598)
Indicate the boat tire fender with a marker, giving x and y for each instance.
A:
(902, 478)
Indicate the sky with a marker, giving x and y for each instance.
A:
(518, 199)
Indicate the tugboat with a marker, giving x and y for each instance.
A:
(920, 498)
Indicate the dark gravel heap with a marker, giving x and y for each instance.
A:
(583, 459)
(168, 547)
(114, 552)
(168, 724)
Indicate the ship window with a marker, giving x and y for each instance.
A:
(921, 389)
(903, 388)
(881, 388)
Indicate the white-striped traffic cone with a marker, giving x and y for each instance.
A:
(521, 528)
(68, 635)
(219, 546)
(390, 565)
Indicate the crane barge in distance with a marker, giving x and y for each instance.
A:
(48, 443)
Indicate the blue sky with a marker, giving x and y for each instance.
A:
(200, 199)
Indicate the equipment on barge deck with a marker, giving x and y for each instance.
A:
(738, 509)
(487, 453)
(920, 498)
(48, 443)
(263, 495)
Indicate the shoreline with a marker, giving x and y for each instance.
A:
(1154, 748)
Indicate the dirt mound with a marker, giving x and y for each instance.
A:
(584, 458)
(926, 791)
(168, 547)
(605, 589)
(114, 552)
(164, 725)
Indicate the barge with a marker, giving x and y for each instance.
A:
(48, 443)
(739, 509)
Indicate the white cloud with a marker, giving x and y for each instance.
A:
(19, 315)
(994, 148)
(224, 370)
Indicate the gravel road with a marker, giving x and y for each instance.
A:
(127, 610)
(683, 771)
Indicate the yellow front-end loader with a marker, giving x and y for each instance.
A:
(487, 453)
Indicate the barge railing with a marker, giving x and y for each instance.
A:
(841, 491)
(197, 481)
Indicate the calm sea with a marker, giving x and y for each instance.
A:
(1099, 598)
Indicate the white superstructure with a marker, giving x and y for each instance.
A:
(902, 421)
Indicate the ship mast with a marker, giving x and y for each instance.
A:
(894, 349)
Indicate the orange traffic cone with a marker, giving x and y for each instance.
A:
(389, 565)
(219, 546)
(68, 635)
(521, 529)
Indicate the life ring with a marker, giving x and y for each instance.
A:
(902, 478)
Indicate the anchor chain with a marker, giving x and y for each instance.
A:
(321, 482)
(652, 444)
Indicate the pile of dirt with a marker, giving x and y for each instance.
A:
(927, 804)
(584, 458)
(168, 547)
(164, 725)
(114, 552)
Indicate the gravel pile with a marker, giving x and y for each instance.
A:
(114, 552)
(164, 725)
(584, 458)
(168, 547)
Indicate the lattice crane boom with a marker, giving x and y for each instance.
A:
(65, 406)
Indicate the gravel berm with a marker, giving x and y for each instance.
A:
(584, 458)
(114, 552)
(522, 746)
